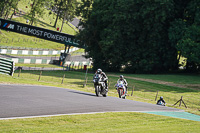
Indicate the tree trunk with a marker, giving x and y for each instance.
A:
(7, 13)
(62, 25)
(12, 14)
(3, 8)
(33, 14)
(63, 22)
(14, 10)
(56, 20)
(58, 13)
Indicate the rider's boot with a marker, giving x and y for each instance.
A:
(126, 91)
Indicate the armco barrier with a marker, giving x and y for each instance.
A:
(7, 66)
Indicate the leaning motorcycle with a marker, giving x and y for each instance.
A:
(99, 85)
(161, 103)
(121, 90)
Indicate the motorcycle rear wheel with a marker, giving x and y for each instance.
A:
(104, 95)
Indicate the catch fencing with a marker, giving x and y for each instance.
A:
(7, 66)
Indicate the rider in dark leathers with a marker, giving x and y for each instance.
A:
(99, 71)
(161, 99)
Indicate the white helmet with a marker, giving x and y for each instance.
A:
(99, 71)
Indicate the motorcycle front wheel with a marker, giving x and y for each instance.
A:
(120, 93)
(97, 90)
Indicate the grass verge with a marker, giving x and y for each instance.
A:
(173, 78)
(106, 122)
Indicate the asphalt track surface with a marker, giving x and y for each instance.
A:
(27, 100)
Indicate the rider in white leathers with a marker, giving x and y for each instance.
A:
(121, 78)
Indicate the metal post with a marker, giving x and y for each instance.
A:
(132, 91)
(156, 96)
(19, 71)
(63, 78)
(86, 73)
(40, 75)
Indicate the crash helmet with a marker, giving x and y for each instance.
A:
(121, 77)
(99, 71)
(161, 97)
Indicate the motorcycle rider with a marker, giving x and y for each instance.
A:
(99, 71)
(121, 78)
(161, 100)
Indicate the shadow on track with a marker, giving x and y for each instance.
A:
(82, 93)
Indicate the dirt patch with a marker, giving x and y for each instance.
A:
(188, 86)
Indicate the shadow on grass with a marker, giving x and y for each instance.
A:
(44, 24)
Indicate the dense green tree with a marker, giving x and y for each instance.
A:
(184, 32)
(130, 33)
(144, 36)
(83, 10)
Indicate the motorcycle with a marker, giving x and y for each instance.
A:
(161, 103)
(121, 90)
(99, 85)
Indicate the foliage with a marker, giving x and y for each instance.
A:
(185, 31)
(127, 33)
(68, 11)
(136, 34)
(83, 10)
(6, 6)
(37, 8)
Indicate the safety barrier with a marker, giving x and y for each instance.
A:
(49, 61)
(34, 52)
(6, 66)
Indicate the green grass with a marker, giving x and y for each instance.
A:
(106, 122)
(174, 78)
(47, 22)
(143, 91)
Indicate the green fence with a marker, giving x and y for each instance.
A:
(6, 66)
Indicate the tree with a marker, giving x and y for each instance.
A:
(130, 33)
(83, 10)
(15, 8)
(37, 9)
(184, 32)
(57, 9)
(68, 11)
(6, 6)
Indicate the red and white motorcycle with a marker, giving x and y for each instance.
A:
(121, 89)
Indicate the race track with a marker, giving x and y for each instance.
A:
(27, 100)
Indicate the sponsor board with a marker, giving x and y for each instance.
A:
(39, 32)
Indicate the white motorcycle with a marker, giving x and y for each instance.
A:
(99, 85)
(121, 89)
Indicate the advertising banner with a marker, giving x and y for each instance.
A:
(38, 32)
